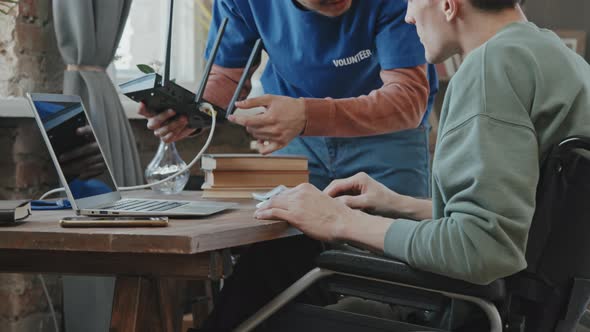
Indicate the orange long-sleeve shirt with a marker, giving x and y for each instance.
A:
(399, 104)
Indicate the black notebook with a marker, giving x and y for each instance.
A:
(14, 210)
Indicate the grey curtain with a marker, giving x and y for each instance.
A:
(88, 32)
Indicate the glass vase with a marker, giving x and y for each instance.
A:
(166, 162)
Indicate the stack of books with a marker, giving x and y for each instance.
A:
(240, 175)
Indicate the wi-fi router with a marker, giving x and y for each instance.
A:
(161, 93)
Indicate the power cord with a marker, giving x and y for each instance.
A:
(205, 107)
(53, 314)
(51, 192)
(45, 291)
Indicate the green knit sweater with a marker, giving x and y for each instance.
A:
(512, 99)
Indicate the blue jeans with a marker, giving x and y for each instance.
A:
(399, 160)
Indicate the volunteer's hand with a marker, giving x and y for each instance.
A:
(168, 129)
(283, 120)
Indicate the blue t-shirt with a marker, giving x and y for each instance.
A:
(311, 55)
(315, 56)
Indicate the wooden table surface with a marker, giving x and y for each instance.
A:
(183, 249)
(230, 228)
(150, 263)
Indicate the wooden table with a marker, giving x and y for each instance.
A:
(147, 262)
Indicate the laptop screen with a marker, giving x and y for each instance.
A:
(75, 146)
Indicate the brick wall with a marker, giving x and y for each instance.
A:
(29, 61)
(26, 167)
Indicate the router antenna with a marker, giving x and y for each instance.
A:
(254, 55)
(166, 79)
(210, 61)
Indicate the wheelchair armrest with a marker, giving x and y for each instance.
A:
(390, 270)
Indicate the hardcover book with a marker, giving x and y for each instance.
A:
(256, 179)
(13, 210)
(252, 162)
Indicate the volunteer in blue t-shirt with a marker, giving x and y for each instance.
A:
(346, 81)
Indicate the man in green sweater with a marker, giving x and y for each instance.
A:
(519, 91)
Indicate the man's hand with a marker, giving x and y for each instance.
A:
(283, 120)
(364, 193)
(311, 211)
(168, 129)
(84, 162)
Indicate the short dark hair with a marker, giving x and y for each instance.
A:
(494, 4)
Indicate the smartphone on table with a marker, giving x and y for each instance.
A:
(81, 221)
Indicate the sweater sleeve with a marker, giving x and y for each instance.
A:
(399, 104)
(223, 82)
(485, 174)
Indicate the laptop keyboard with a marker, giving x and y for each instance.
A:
(143, 205)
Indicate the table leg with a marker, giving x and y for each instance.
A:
(171, 293)
(202, 297)
(147, 304)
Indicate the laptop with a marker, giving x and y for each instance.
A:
(58, 117)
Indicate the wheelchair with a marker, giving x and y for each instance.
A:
(551, 294)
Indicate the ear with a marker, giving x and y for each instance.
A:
(450, 8)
